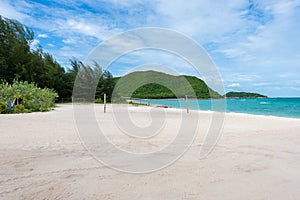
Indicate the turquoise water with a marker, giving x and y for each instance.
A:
(282, 107)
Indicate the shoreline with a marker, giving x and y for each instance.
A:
(230, 112)
(154, 106)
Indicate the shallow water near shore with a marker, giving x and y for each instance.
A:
(281, 107)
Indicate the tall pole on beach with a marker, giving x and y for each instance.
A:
(187, 104)
(104, 101)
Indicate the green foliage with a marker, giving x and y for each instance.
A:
(106, 86)
(98, 100)
(18, 62)
(91, 79)
(3, 108)
(244, 95)
(34, 98)
(14, 48)
(158, 85)
(153, 91)
(138, 104)
(18, 108)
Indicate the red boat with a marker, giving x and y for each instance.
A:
(162, 106)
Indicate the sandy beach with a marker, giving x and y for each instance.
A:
(42, 157)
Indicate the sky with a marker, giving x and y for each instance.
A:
(254, 44)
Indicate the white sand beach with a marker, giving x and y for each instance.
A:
(42, 157)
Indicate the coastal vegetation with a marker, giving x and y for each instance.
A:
(244, 95)
(19, 62)
(26, 97)
(21, 65)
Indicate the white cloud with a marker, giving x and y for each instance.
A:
(152, 57)
(70, 40)
(231, 53)
(262, 84)
(234, 85)
(296, 88)
(202, 19)
(42, 36)
(282, 7)
(9, 11)
(35, 43)
(277, 38)
(83, 27)
(286, 75)
(243, 77)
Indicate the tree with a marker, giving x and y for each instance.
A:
(106, 86)
(15, 39)
(86, 80)
(91, 79)
(19, 62)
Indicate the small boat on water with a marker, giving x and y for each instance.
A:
(161, 106)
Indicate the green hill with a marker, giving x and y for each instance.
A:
(244, 95)
(158, 85)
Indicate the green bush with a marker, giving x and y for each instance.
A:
(18, 108)
(3, 108)
(98, 100)
(34, 98)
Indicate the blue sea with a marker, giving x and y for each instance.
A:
(281, 107)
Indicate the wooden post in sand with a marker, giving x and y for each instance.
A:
(104, 101)
(186, 103)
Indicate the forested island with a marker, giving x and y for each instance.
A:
(159, 85)
(244, 95)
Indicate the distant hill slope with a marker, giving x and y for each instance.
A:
(244, 95)
(158, 85)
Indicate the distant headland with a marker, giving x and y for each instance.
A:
(244, 95)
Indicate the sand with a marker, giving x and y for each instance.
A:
(42, 157)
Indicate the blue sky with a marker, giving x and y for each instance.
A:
(254, 44)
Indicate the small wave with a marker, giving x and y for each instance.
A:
(264, 103)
